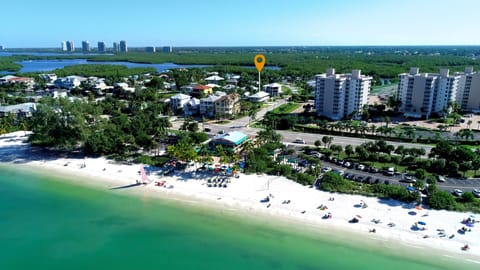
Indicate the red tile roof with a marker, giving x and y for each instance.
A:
(201, 87)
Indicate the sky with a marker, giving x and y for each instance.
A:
(46, 23)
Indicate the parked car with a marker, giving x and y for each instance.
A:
(457, 192)
(361, 167)
(476, 193)
(350, 176)
(373, 170)
(390, 171)
(326, 169)
(347, 164)
(440, 178)
(207, 130)
(299, 140)
(386, 182)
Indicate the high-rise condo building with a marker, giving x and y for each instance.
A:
(85, 46)
(123, 46)
(424, 94)
(151, 49)
(339, 96)
(468, 94)
(116, 47)
(70, 46)
(167, 49)
(63, 46)
(101, 46)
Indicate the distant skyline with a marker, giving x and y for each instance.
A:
(42, 24)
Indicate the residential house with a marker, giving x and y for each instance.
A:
(59, 93)
(215, 79)
(201, 91)
(21, 110)
(69, 82)
(124, 86)
(227, 105)
(274, 89)
(207, 105)
(259, 97)
(10, 79)
(191, 107)
(187, 89)
(212, 85)
(48, 78)
(229, 87)
(178, 101)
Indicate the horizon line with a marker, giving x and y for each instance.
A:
(270, 46)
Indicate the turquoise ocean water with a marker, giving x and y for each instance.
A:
(50, 224)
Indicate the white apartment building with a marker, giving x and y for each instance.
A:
(468, 94)
(424, 94)
(341, 95)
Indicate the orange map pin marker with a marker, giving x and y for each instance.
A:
(259, 60)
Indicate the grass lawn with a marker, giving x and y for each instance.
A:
(286, 108)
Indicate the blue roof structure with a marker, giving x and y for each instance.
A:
(233, 137)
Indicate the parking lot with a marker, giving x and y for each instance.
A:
(380, 177)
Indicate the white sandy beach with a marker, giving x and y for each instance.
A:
(244, 194)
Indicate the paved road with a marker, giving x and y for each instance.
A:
(289, 136)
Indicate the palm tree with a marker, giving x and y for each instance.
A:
(268, 135)
(327, 140)
(247, 149)
(387, 121)
(469, 123)
(252, 115)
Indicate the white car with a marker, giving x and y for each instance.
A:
(457, 192)
(476, 193)
(326, 169)
(440, 179)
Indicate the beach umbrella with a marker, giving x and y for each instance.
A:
(469, 224)
(412, 213)
(422, 223)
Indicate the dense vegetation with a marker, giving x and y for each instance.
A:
(304, 62)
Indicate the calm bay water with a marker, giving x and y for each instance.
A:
(49, 65)
(50, 224)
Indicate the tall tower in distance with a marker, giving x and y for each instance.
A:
(123, 46)
(116, 47)
(85, 46)
(101, 46)
(70, 46)
(63, 46)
